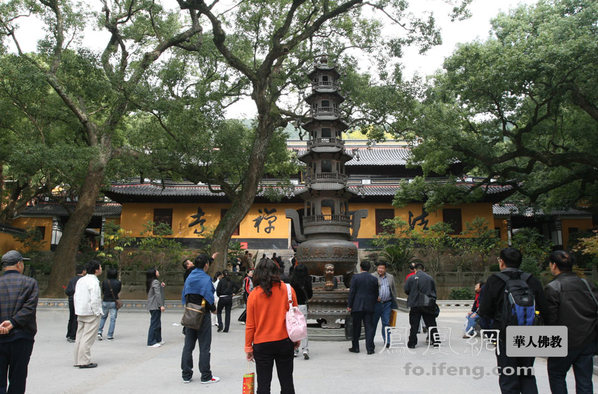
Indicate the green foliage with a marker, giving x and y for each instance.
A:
(585, 246)
(518, 109)
(480, 242)
(462, 293)
(531, 265)
(534, 249)
(116, 240)
(400, 246)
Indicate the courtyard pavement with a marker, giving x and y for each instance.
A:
(126, 365)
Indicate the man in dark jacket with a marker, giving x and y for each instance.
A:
(71, 328)
(491, 306)
(421, 300)
(18, 305)
(571, 304)
(188, 267)
(363, 296)
(225, 291)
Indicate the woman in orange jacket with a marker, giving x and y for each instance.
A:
(266, 337)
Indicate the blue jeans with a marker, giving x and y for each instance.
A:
(154, 334)
(203, 336)
(108, 307)
(581, 360)
(471, 322)
(382, 311)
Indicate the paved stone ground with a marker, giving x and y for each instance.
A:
(126, 365)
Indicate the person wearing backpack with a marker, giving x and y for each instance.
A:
(528, 295)
(573, 303)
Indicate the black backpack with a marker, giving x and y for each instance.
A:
(519, 304)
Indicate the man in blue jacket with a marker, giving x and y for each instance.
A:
(18, 305)
(198, 287)
(363, 296)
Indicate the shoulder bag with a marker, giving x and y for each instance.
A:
(193, 315)
(296, 324)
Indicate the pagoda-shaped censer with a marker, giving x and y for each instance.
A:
(326, 228)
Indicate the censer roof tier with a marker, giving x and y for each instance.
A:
(315, 95)
(340, 155)
(341, 192)
(314, 124)
(319, 67)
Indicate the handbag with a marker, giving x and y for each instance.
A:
(193, 315)
(392, 321)
(117, 302)
(296, 324)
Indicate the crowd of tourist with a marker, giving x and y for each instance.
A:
(267, 290)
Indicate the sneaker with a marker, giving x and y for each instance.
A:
(187, 380)
(162, 343)
(214, 379)
(305, 356)
(110, 338)
(154, 345)
(99, 337)
(71, 340)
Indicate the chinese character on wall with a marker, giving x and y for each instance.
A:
(418, 220)
(268, 216)
(198, 220)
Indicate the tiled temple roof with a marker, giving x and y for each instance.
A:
(379, 156)
(42, 209)
(513, 210)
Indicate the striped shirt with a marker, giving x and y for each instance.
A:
(18, 304)
(384, 289)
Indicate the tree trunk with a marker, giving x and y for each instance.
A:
(244, 200)
(63, 267)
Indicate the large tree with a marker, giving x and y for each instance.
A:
(258, 48)
(99, 89)
(520, 108)
(271, 45)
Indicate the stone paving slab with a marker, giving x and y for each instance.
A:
(126, 365)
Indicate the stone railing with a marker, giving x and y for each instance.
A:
(325, 111)
(129, 305)
(456, 305)
(327, 177)
(326, 141)
(324, 85)
(327, 219)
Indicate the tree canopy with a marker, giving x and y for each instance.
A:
(169, 74)
(520, 109)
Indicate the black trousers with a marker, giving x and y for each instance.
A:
(14, 359)
(265, 354)
(225, 303)
(421, 312)
(581, 361)
(518, 376)
(71, 328)
(370, 331)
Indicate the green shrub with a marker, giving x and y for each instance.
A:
(462, 293)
